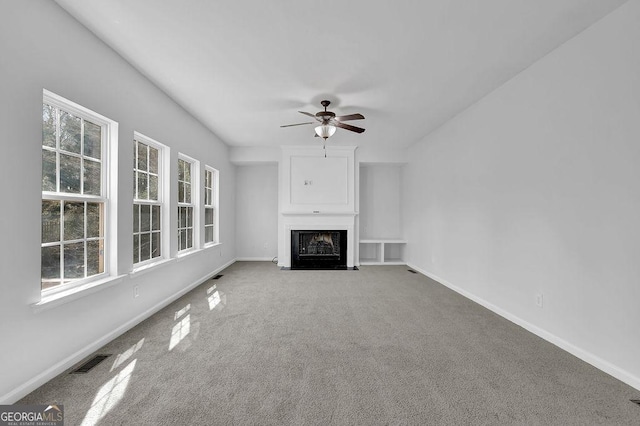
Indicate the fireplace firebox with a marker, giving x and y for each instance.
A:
(313, 249)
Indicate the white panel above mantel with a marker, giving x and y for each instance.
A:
(312, 182)
(321, 181)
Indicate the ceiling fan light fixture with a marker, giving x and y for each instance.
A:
(325, 130)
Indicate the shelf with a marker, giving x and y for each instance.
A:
(382, 251)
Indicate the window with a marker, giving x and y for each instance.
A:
(74, 194)
(210, 205)
(187, 171)
(147, 199)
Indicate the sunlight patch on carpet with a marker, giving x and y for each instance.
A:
(109, 395)
(182, 311)
(124, 356)
(180, 331)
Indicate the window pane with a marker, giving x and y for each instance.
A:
(50, 221)
(136, 249)
(73, 221)
(153, 160)
(48, 126)
(208, 216)
(145, 218)
(187, 171)
(155, 245)
(207, 179)
(94, 220)
(145, 247)
(153, 187)
(207, 196)
(92, 140)
(69, 174)
(208, 234)
(180, 192)
(50, 265)
(182, 217)
(74, 261)
(155, 218)
(48, 170)
(142, 157)
(182, 240)
(143, 194)
(95, 257)
(181, 164)
(70, 131)
(189, 214)
(187, 193)
(136, 218)
(91, 177)
(189, 233)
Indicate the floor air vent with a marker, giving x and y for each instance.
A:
(412, 271)
(635, 401)
(217, 277)
(87, 366)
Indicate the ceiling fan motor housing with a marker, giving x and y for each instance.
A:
(325, 115)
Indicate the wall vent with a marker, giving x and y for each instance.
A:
(217, 277)
(412, 271)
(87, 366)
(635, 401)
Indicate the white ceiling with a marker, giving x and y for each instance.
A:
(245, 67)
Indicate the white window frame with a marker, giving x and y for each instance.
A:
(194, 205)
(211, 202)
(163, 196)
(109, 150)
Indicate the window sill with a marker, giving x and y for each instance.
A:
(54, 300)
(149, 267)
(182, 256)
(211, 245)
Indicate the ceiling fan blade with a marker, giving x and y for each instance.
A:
(348, 127)
(310, 115)
(298, 124)
(350, 117)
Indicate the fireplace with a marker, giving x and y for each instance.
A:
(318, 249)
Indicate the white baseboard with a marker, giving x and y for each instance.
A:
(586, 356)
(73, 359)
(254, 259)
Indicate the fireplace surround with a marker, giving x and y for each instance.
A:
(318, 249)
(317, 194)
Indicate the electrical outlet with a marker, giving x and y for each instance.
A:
(135, 292)
(539, 300)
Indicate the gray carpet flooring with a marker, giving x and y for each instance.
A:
(370, 347)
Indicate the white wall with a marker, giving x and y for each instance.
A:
(257, 212)
(43, 47)
(535, 190)
(380, 201)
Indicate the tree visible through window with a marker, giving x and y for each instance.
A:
(185, 205)
(147, 205)
(73, 196)
(210, 205)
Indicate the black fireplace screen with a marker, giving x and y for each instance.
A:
(324, 249)
(319, 243)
